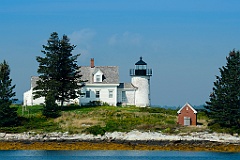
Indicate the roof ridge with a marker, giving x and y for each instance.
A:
(179, 111)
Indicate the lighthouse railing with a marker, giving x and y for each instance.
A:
(140, 72)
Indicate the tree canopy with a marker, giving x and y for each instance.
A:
(8, 116)
(58, 69)
(224, 105)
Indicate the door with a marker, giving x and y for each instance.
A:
(187, 121)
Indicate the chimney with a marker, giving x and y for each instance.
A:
(92, 63)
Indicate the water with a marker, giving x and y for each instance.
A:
(116, 155)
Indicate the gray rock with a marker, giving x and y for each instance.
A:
(2, 135)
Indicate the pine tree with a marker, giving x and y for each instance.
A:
(50, 109)
(8, 116)
(59, 72)
(224, 105)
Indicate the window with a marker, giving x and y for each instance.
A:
(87, 94)
(98, 78)
(110, 94)
(124, 98)
(97, 94)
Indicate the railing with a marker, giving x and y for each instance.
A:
(140, 72)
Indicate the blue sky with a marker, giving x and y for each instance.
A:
(183, 41)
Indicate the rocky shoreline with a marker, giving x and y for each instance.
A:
(134, 135)
(134, 140)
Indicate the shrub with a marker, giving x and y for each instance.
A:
(112, 126)
(51, 108)
(8, 116)
(216, 127)
(96, 130)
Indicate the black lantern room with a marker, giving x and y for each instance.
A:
(141, 69)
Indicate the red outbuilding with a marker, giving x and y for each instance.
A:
(187, 115)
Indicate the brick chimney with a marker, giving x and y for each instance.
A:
(92, 63)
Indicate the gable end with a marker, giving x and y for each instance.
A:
(187, 105)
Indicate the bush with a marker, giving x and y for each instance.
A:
(50, 110)
(96, 130)
(8, 116)
(119, 103)
(96, 104)
(112, 126)
(216, 127)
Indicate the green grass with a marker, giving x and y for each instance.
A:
(31, 119)
(28, 111)
(99, 119)
(125, 119)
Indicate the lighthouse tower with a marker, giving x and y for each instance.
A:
(140, 78)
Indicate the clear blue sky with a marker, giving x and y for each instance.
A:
(183, 41)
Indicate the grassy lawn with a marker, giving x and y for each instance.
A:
(101, 119)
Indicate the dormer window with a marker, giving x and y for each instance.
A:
(98, 78)
(98, 74)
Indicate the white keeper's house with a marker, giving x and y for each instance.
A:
(103, 85)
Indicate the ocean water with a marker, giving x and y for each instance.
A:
(115, 155)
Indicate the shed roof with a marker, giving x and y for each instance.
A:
(187, 105)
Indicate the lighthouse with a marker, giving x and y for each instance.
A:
(140, 78)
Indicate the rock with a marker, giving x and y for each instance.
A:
(134, 135)
(2, 135)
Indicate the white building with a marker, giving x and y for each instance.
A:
(28, 99)
(140, 78)
(103, 85)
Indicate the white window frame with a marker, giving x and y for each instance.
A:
(97, 94)
(124, 97)
(98, 78)
(110, 93)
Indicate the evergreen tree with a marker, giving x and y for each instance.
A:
(50, 108)
(59, 72)
(8, 116)
(224, 105)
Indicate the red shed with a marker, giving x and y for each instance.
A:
(187, 115)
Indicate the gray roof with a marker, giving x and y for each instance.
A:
(126, 86)
(34, 80)
(110, 74)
